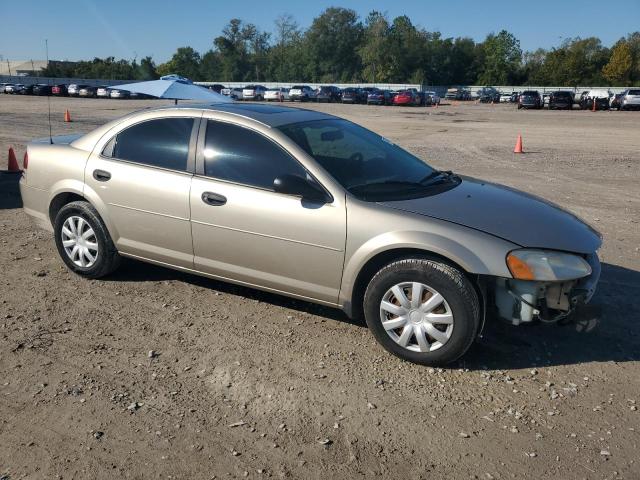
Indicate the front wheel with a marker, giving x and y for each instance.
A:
(83, 242)
(422, 310)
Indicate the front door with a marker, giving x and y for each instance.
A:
(244, 231)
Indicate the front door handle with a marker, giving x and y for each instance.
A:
(214, 199)
(101, 175)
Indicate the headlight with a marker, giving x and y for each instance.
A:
(546, 265)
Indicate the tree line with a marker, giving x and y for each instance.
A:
(340, 47)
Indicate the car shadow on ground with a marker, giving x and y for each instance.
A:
(614, 337)
(136, 271)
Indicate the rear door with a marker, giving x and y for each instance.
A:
(142, 178)
(244, 231)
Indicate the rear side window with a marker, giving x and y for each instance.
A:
(158, 143)
(240, 155)
(634, 92)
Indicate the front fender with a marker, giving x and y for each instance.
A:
(475, 252)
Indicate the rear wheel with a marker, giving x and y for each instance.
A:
(422, 310)
(83, 242)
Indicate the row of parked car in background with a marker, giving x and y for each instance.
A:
(565, 100)
(69, 90)
(330, 94)
(529, 99)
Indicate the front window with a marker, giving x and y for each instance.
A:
(239, 155)
(366, 164)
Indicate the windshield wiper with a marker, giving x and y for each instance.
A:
(437, 176)
(384, 185)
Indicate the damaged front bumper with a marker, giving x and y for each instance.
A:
(522, 301)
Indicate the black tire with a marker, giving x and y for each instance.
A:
(107, 259)
(457, 291)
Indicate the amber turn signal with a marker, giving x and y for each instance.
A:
(518, 268)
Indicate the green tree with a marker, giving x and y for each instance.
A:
(583, 61)
(407, 45)
(618, 69)
(233, 51)
(257, 46)
(285, 57)
(502, 59)
(463, 67)
(146, 70)
(331, 46)
(375, 51)
(211, 66)
(185, 62)
(633, 40)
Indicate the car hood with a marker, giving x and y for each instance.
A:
(518, 217)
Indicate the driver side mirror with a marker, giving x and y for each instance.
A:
(299, 186)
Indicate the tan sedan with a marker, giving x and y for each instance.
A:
(315, 207)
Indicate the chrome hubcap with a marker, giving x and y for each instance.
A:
(79, 241)
(416, 317)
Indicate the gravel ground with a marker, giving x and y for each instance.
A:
(152, 373)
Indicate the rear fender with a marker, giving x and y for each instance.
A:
(92, 196)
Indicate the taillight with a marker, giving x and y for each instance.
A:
(25, 160)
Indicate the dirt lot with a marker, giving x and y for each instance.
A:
(248, 384)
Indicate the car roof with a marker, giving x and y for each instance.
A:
(269, 115)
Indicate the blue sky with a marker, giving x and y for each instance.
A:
(86, 28)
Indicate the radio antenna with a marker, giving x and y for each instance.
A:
(46, 47)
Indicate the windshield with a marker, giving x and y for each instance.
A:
(369, 166)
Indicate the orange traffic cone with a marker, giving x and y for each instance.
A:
(518, 148)
(67, 116)
(593, 108)
(13, 162)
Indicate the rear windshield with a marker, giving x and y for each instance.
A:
(634, 92)
(298, 87)
(531, 92)
(563, 94)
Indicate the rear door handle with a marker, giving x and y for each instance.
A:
(101, 175)
(214, 199)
